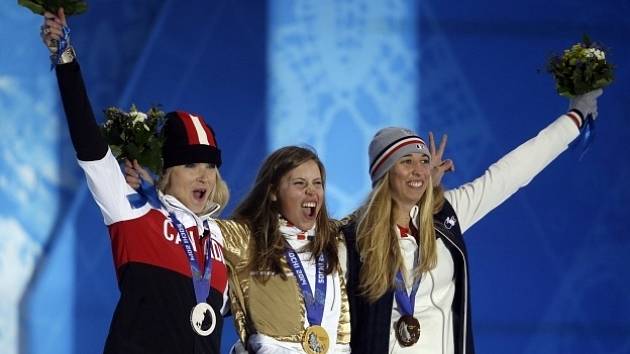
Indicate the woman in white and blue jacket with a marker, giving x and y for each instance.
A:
(408, 276)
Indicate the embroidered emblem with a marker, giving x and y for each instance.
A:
(450, 222)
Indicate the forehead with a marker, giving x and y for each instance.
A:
(308, 169)
(415, 155)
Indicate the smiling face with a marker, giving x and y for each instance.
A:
(192, 184)
(300, 194)
(408, 180)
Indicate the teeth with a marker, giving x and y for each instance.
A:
(415, 184)
(309, 205)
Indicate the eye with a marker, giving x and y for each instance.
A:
(318, 183)
(406, 161)
(299, 183)
(425, 160)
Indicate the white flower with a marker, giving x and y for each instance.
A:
(599, 54)
(593, 52)
(138, 117)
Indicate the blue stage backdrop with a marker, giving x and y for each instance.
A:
(548, 266)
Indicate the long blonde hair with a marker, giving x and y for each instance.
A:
(220, 194)
(377, 240)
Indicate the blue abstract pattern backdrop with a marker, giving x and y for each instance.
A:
(548, 267)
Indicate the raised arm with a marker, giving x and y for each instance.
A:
(474, 200)
(84, 132)
(104, 177)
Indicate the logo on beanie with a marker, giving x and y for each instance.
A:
(390, 151)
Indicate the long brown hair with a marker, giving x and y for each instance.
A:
(377, 240)
(260, 212)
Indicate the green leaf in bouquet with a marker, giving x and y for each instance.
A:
(142, 134)
(70, 7)
(33, 6)
(132, 150)
(602, 82)
(150, 160)
(116, 150)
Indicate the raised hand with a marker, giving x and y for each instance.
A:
(439, 166)
(52, 29)
(135, 174)
(586, 104)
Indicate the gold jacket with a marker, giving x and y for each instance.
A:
(275, 308)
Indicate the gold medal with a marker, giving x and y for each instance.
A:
(407, 330)
(315, 340)
(202, 319)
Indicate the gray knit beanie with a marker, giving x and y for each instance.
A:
(388, 145)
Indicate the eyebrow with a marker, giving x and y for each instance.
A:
(305, 179)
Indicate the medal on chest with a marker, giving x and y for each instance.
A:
(315, 339)
(203, 319)
(407, 330)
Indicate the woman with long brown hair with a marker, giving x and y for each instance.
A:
(286, 288)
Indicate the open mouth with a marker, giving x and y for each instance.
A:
(415, 184)
(199, 194)
(310, 209)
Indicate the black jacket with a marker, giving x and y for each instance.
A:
(156, 295)
(370, 322)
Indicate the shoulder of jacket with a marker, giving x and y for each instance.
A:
(446, 219)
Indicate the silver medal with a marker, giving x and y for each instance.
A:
(202, 319)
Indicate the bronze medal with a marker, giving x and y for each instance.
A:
(407, 330)
(315, 340)
(203, 319)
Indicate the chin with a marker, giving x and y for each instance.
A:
(197, 209)
(306, 225)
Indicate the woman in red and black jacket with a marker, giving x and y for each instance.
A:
(169, 262)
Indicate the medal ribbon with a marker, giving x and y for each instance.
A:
(62, 45)
(588, 135)
(145, 193)
(406, 302)
(314, 303)
(201, 282)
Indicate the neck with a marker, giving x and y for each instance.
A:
(401, 216)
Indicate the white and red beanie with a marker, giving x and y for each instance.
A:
(390, 144)
(188, 139)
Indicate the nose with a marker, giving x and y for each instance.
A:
(204, 174)
(420, 168)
